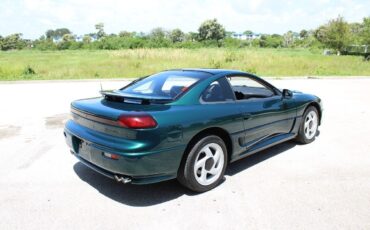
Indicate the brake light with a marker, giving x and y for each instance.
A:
(140, 121)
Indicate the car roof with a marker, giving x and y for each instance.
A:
(208, 70)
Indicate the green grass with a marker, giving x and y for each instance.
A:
(80, 64)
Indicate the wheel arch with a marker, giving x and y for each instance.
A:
(317, 106)
(217, 131)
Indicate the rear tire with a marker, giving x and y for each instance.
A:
(204, 166)
(309, 126)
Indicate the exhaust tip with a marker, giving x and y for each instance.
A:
(122, 179)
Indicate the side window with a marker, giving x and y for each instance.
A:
(246, 88)
(218, 91)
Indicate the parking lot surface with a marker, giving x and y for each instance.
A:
(323, 185)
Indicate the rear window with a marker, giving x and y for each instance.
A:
(165, 84)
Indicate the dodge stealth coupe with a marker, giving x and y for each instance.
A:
(187, 124)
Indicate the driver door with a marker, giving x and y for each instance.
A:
(265, 113)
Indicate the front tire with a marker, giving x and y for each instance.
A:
(205, 164)
(309, 126)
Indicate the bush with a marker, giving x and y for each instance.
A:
(44, 45)
(211, 43)
(271, 41)
(75, 45)
(234, 43)
(28, 71)
(64, 45)
(188, 44)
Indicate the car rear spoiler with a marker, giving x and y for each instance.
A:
(117, 96)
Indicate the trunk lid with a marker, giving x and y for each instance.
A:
(111, 110)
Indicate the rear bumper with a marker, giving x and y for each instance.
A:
(139, 167)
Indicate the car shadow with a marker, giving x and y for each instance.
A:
(129, 194)
(258, 157)
(153, 194)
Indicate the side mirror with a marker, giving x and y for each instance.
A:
(287, 93)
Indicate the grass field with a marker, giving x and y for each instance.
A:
(82, 64)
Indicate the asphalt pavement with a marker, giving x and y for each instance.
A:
(323, 185)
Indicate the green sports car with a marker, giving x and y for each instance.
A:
(187, 124)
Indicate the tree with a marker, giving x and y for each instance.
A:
(365, 31)
(176, 35)
(13, 41)
(67, 41)
(157, 34)
(288, 39)
(248, 33)
(211, 30)
(49, 34)
(86, 39)
(125, 33)
(335, 34)
(1, 42)
(355, 33)
(100, 30)
(57, 34)
(320, 33)
(68, 38)
(191, 36)
(303, 34)
(158, 37)
(355, 28)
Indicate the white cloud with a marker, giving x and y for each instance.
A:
(46, 22)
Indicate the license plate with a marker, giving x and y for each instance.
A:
(84, 150)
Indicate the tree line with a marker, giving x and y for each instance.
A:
(336, 34)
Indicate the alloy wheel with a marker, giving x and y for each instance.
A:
(310, 125)
(209, 164)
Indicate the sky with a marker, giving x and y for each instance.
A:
(33, 17)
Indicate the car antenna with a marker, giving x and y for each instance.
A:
(101, 87)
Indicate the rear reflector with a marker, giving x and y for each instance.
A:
(141, 121)
(111, 155)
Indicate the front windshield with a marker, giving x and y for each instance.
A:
(168, 84)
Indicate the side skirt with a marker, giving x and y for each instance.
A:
(265, 144)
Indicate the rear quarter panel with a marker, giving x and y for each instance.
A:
(182, 122)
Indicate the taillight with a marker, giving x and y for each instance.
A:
(139, 121)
